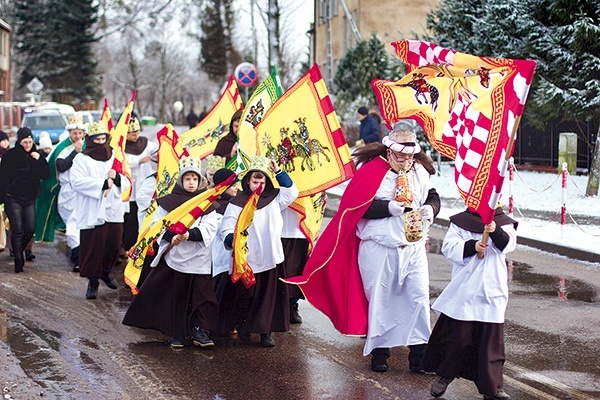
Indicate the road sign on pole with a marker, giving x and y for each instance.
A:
(246, 74)
(35, 85)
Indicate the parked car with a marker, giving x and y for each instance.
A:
(50, 120)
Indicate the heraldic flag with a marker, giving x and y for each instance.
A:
(302, 133)
(177, 221)
(118, 141)
(263, 97)
(202, 139)
(170, 151)
(469, 108)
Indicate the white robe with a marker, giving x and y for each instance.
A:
(222, 259)
(96, 206)
(264, 234)
(189, 257)
(66, 202)
(478, 289)
(144, 196)
(395, 272)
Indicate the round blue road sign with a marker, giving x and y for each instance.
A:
(246, 74)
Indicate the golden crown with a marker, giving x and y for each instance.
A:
(189, 164)
(260, 163)
(134, 125)
(215, 162)
(97, 128)
(76, 119)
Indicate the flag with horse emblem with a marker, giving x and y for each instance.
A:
(469, 108)
(177, 221)
(202, 139)
(170, 151)
(263, 97)
(302, 133)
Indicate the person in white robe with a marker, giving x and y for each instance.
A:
(66, 203)
(177, 297)
(98, 189)
(141, 157)
(394, 268)
(266, 308)
(468, 339)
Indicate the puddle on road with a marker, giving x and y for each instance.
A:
(560, 287)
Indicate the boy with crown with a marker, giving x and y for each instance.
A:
(140, 153)
(177, 297)
(263, 307)
(100, 208)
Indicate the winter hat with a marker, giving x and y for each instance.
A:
(45, 141)
(191, 164)
(402, 141)
(23, 133)
(222, 174)
(363, 110)
(3, 136)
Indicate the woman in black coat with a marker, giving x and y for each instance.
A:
(20, 174)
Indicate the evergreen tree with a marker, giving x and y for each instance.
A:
(213, 44)
(361, 64)
(53, 40)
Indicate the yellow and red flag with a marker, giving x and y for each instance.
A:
(106, 118)
(170, 151)
(177, 221)
(241, 269)
(469, 108)
(118, 141)
(302, 133)
(202, 139)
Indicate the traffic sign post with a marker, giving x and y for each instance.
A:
(246, 75)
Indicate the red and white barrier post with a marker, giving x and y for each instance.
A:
(563, 198)
(511, 178)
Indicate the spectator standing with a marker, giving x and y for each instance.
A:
(369, 126)
(21, 170)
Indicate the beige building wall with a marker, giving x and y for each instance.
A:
(390, 20)
(5, 32)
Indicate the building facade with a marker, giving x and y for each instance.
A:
(5, 35)
(339, 24)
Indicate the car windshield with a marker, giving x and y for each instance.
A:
(45, 122)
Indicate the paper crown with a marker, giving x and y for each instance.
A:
(260, 163)
(134, 125)
(75, 121)
(215, 162)
(97, 128)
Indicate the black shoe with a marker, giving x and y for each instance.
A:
(19, 266)
(266, 340)
(76, 268)
(378, 362)
(201, 338)
(29, 256)
(110, 281)
(415, 355)
(439, 386)
(92, 290)
(295, 317)
(177, 343)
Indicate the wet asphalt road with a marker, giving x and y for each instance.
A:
(56, 344)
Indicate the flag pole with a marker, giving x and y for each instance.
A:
(509, 151)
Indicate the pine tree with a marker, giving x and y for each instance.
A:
(361, 64)
(53, 41)
(214, 47)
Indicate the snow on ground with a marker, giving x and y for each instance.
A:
(535, 192)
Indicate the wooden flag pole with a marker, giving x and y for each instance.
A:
(509, 151)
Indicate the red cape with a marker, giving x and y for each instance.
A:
(331, 280)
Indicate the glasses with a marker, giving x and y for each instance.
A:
(401, 156)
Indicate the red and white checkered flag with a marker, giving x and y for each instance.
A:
(469, 108)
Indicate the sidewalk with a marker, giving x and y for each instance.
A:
(538, 212)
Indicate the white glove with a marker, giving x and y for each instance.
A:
(396, 208)
(427, 213)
